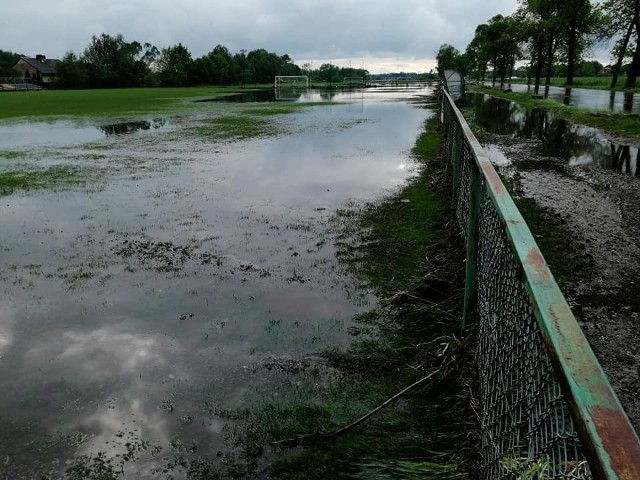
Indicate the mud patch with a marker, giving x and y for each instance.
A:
(601, 209)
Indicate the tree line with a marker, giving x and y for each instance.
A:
(110, 61)
(553, 36)
(113, 62)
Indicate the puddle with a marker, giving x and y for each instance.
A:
(576, 146)
(27, 135)
(132, 315)
(130, 127)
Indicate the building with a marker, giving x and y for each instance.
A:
(39, 69)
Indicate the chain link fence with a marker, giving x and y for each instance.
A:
(547, 410)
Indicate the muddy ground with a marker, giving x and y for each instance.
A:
(601, 208)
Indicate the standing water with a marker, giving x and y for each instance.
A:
(586, 97)
(142, 299)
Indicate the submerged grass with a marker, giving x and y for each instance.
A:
(12, 154)
(620, 124)
(236, 127)
(53, 177)
(275, 108)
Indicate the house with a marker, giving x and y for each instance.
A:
(40, 69)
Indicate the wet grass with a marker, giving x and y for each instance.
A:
(619, 124)
(50, 178)
(12, 155)
(107, 102)
(237, 127)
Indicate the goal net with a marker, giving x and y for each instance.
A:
(292, 81)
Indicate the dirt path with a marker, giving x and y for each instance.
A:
(602, 210)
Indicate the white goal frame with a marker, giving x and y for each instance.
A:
(288, 79)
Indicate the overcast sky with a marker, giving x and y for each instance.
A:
(382, 35)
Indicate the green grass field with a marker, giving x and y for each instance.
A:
(107, 102)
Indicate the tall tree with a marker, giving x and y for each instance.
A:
(7, 61)
(449, 57)
(545, 33)
(624, 21)
(579, 20)
(563, 27)
(116, 62)
(502, 37)
(477, 53)
(175, 66)
(72, 72)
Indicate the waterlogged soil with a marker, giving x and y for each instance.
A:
(188, 277)
(584, 177)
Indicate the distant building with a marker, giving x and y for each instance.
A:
(40, 69)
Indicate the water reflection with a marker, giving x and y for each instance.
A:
(304, 95)
(103, 349)
(576, 145)
(26, 135)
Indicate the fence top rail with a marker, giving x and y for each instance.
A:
(610, 442)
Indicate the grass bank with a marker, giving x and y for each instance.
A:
(618, 124)
(401, 247)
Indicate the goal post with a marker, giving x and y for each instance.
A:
(291, 80)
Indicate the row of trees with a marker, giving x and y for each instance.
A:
(112, 62)
(552, 35)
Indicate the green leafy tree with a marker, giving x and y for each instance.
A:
(580, 22)
(477, 53)
(623, 21)
(118, 63)
(503, 36)
(72, 72)
(449, 57)
(7, 61)
(175, 67)
(560, 30)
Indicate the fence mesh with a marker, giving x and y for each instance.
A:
(527, 431)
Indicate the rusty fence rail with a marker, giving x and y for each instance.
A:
(547, 409)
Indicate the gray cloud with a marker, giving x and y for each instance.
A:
(399, 32)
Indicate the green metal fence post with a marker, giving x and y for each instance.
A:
(472, 243)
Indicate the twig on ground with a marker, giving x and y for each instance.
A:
(297, 440)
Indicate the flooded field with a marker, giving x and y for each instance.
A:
(587, 98)
(566, 145)
(154, 269)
